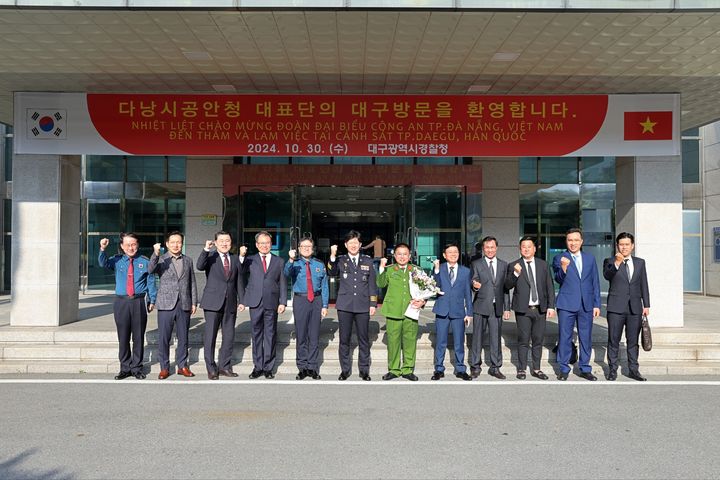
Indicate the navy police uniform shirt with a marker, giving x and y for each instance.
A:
(358, 291)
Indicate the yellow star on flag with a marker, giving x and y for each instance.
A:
(648, 125)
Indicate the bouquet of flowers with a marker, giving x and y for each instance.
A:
(422, 287)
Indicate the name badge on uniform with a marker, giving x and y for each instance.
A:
(364, 267)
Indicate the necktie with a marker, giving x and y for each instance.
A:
(452, 275)
(533, 288)
(130, 281)
(308, 280)
(226, 266)
(492, 269)
(576, 260)
(264, 263)
(627, 269)
(354, 260)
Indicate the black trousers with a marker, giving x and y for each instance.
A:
(362, 322)
(130, 321)
(530, 327)
(632, 324)
(214, 320)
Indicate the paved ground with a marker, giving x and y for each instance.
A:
(325, 429)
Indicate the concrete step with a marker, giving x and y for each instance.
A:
(425, 349)
(330, 369)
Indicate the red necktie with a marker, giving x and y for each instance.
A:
(264, 263)
(308, 277)
(226, 266)
(130, 281)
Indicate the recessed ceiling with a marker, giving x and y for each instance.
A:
(355, 51)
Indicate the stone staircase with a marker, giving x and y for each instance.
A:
(74, 349)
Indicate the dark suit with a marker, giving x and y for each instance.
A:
(450, 311)
(356, 294)
(176, 297)
(530, 319)
(262, 294)
(490, 302)
(575, 302)
(219, 302)
(626, 299)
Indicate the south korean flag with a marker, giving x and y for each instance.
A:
(46, 124)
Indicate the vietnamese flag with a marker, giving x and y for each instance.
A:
(648, 125)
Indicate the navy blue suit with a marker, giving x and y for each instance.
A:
(450, 311)
(574, 303)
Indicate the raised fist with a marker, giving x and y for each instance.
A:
(333, 250)
(243, 250)
(518, 268)
(104, 243)
(436, 264)
(156, 248)
(564, 262)
(619, 259)
(383, 262)
(476, 285)
(292, 253)
(209, 244)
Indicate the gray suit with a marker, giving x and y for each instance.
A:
(488, 306)
(176, 296)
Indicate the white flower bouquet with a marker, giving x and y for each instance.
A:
(422, 287)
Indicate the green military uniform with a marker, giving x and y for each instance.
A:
(401, 330)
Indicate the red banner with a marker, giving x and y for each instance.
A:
(347, 125)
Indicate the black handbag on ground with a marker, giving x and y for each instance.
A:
(645, 334)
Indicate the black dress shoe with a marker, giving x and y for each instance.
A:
(213, 376)
(562, 376)
(463, 376)
(475, 372)
(539, 374)
(269, 374)
(520, 375)
(123, 375)
(587, 376)
(636, 376)
(228, 373)
(314, 374)
(410, 376)
(343, 376)
(365, 376)
(612, 375)
(139, 375)
(495, 372)
(389, 376)
(437, 375)
(256, 374)
(301, 374)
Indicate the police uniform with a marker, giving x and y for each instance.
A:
(130, 311)
(356, 294)
(401, 330)
(307, 311)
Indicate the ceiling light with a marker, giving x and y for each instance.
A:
(225, 88)
(504, 57)
(479, 88)
(197, 56)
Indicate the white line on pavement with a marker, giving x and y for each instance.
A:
(358, 382)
